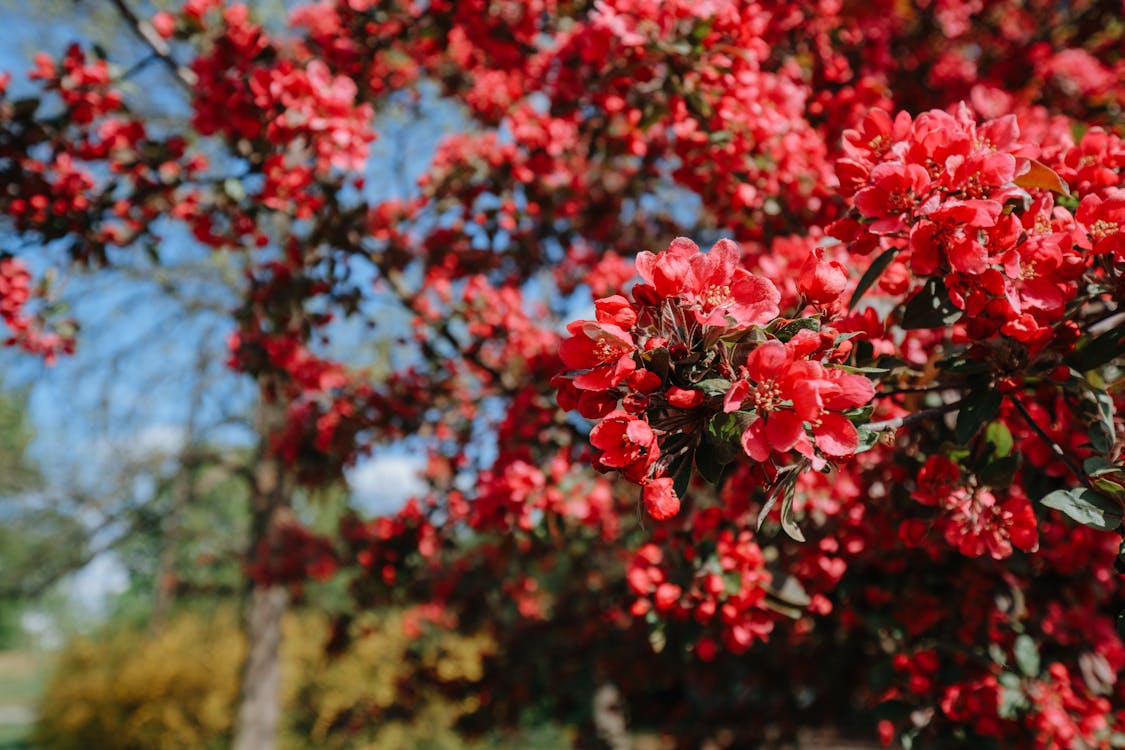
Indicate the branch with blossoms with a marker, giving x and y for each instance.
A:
(993, 275)
(704, 369)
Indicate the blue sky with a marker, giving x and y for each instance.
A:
(129, 386)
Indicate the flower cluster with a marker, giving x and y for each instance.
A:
(85, 87)
(945, 198)
(729, 597)
(292, 555)
(255, 95)
(699, 354)
(973, 519)
(25, 329)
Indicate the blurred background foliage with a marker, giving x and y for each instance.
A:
(174, 689)
(157, 668)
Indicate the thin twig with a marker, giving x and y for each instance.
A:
(897, 422)
(159, 46)
(138, 66)
(914, 389)
(1075, 468)
(441, 329)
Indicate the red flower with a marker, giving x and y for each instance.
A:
(1104, 225)
(669, 272)
(724, 292)
(683, 398)
(720, 292)
(769, 369)
(896, 191)
(822, 282)
(603, 346)
(789, 392)
(660, 499)
(627, 444)
(944, 237)
(835, 435)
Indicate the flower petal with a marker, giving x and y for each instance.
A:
(836, 436)
(784, 429)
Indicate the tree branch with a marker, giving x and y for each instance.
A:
(159, 46)
(1058, 449)
(897, 422)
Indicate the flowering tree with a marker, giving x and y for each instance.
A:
(903, 350)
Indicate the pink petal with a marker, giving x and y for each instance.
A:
(660, 499)
(836, 436)
(784, 429)
(767, 361)
(754, 441)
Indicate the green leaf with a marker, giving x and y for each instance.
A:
(765, 511)
(788, 524)
(696, 102)
(1100, 350)
(868, 438)
(930, 307)
(1027, 655)
(789, 599)
(1012, 701)
(873, 272)
(1104, 427)
(793, 327)
(1000, 472)
(1100, 438)
(700, 32)
(680, 469)
(1086, 507)
(862, 370)
(658, 360)
(1095, 466)
(1108, 486)
(791, 591)
(1096, 408)
(1000, 438)
(710, 461)
(726, 429)
(1010, 680)
(714, 386)
(979, 407)
(861, 416)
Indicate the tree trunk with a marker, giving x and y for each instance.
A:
(259, 709)
(609, 718)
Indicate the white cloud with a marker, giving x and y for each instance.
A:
(382, 484)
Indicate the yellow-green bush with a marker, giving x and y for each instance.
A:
(176, 689)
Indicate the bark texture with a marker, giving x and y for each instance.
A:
(258, 721)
